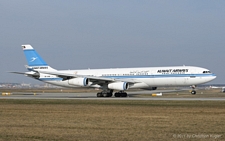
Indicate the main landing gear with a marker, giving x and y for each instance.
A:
(120, 94)
(109, 93)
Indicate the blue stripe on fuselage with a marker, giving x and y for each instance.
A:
(141, 76)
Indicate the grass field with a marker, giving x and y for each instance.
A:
(60, 120)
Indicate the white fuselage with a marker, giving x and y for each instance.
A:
(146, 77)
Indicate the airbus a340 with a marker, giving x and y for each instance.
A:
(119, 79)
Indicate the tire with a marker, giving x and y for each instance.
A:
(193, 92)
(105, 94)
(123, 94)
(99, 95)
(117, 95)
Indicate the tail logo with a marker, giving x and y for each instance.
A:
(33, 59)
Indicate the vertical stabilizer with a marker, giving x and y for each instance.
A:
(34, 60)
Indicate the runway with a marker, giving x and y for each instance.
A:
(92, 96)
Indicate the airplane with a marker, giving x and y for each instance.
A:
(214, 87)
(116, 79)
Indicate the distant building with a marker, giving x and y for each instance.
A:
(25, 85)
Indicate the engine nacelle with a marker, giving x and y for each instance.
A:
(119, 86)
(78, 81)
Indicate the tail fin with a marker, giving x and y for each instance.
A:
(34, 59)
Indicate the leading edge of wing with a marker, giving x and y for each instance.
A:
(69, 75)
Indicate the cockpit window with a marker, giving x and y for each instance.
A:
(206, 72)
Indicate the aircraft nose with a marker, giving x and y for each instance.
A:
(213, 76)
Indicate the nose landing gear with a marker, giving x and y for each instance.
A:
(193, 91)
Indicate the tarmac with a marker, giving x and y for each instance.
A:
(92, 96)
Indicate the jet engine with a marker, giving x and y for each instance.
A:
(119, 86)
(78, 81)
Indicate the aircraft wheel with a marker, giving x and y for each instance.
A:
(117, 94)
(123, 94)
(99, 95)
(105, 94)
(193, 92)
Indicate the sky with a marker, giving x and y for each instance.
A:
(80, 34)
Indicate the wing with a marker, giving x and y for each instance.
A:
(94, 79)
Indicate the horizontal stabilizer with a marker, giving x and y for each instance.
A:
(18, 72)
(31, 74)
